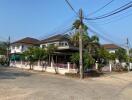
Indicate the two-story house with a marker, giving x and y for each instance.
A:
(64, 47)
(22, 45)
(111, 47)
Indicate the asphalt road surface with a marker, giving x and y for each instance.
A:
(18, 84)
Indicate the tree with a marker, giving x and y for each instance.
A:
(90, 45)
(77, 23)
(88, 60)
(29, 56)
(75, 58)
(3, 48)
(35, 54)
(50, 50)
(112, 56)
(121, 54)
(40, 54)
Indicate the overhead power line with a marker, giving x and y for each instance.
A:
(115, 19)
(60, 28)
(116, 11)
(103, 31)
(96, 11)
(103, 37)
(69, 4)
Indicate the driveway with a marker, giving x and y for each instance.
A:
(18, 84)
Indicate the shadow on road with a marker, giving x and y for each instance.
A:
(12, 74)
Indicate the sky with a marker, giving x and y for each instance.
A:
(40, 18)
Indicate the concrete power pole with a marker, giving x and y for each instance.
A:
(80, 44)
(8, 50)
(127, 48)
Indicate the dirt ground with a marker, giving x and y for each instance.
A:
(18, 84)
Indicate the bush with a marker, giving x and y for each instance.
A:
(2, 61)
(119, 68)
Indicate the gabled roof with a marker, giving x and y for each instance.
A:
(55, 38)
(110, 46)
(27, 40)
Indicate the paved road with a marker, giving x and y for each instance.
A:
(16, 84)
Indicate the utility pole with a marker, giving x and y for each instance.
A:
(8, 50)
(127, 43)
(80, 44)
(127, 47)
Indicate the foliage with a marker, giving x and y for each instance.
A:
(50, 49)
(91, 47)
(3, 48)
(103, 53)
(40, 53)
(77, 24)
(121, 54)
(75, 58)
(34, 54)
(2, 61)
(112, 56)
(88, 61)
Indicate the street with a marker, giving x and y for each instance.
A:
(19, 84)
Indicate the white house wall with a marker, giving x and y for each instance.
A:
(20, 49)
(57, 44)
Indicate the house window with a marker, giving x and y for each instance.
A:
(63, 44)
(66, 44)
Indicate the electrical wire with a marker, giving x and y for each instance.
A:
(115, 20)
(59, 29)
(69, 4)
(96, 11)
(103, 37)
(118, 10)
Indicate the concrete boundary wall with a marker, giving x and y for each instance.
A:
(51, 69)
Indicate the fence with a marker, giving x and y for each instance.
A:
(44, 66)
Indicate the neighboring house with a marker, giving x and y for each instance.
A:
(111, 47)
(64, 47)
(18, 47)
(23, 44)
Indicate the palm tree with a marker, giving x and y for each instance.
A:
(93, 44)
(75, 37)
(90, 44)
